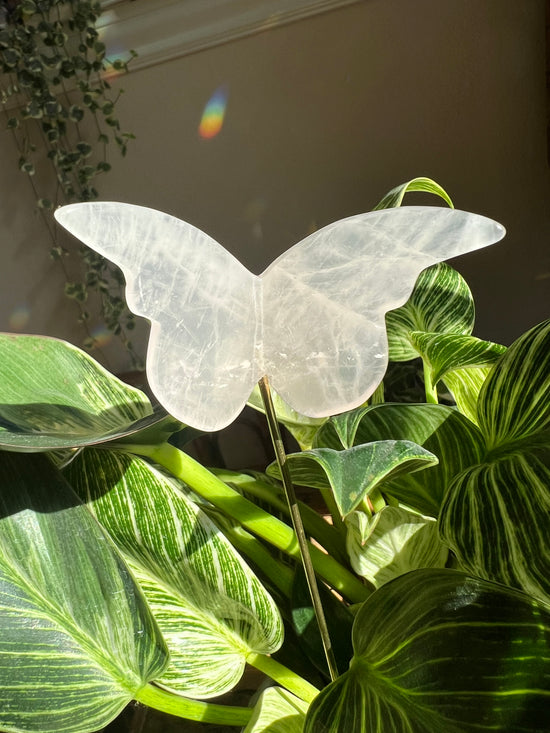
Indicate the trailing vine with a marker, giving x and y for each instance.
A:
(60, 109)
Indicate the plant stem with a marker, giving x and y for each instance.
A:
(430, 389)
(283, 676)
(298, 526)
(251, 517)
(184, 707)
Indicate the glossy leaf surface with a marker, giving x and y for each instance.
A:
(211, 608)
(496, 514)
(53, 395)
(77, 640)
(277, 711)
(423, 185)
(438, 650)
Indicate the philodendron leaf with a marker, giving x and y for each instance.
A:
(77, 640)
(438, 429)
(447, 352)
(439, 650)
(211, 608)
(353, 473)
(301, 427)
(392, 542)
(277, 711)
(465, 386)
(421, 184)
(440, 302)
(53, 395)
(495, 516)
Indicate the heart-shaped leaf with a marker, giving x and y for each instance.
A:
(353, 473)
(77, 640)
(438, 429)
(202, 593)
(438, 650)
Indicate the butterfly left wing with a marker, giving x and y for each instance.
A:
(325, 299)
(200, 300)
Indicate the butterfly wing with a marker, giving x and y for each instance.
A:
(324, 300)
(200, 300)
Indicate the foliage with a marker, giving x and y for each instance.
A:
(130, 571)
(60, 109)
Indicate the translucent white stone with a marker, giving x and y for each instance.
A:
(313, 322)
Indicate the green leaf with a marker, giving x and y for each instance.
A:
(301, 427)
(424, 185)
(77, 640)
(353, 473)
(439, 429)
(447, 352)
(496, 515)
(277, 711)
(203, 595)
(53, 395)
(392, 542)
(440, 302)
(465, 386)
(439, 650)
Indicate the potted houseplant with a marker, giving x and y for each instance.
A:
(129, 571)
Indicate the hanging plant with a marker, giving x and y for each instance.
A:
(60, 109)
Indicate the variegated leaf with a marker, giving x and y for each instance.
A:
(465, 386)
(77, 640)
(392, 542)
(53, 395)
(202, 594)
(439, 650)
(423, 185)
(496, 515)
(440, 302)
(277, 711)
(447, 352)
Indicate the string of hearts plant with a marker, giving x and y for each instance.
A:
(60, 110)
(129, 571)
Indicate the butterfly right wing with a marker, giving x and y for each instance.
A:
(200, 300)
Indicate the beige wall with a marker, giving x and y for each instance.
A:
(323, 117)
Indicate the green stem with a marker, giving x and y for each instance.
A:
(251, 517)
(430, 389)
(184, 707)
(283, 676)
(326, 534)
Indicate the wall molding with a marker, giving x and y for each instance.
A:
(169, 29)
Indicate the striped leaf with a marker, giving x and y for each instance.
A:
(447, 352)
(77, 640)
(465, 386)
(496, 515)
(514, 403)
(439, 429)
(440, 302)
(53, 395)
(353, 473)
(212, 610)
(392, 542)
(423, 185)
(277, 711)
(439, 650)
